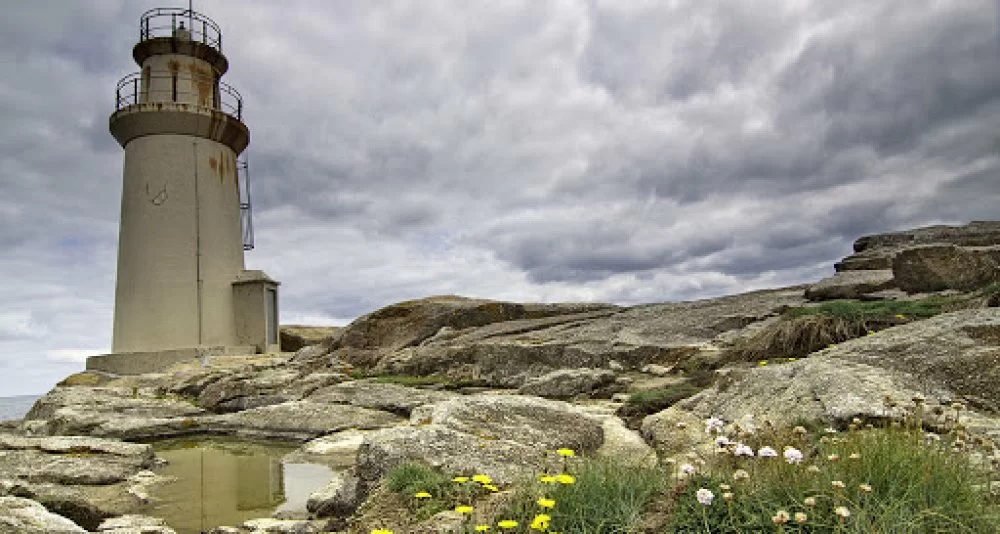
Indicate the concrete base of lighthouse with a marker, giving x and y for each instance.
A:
(255, 319)
(137, 363)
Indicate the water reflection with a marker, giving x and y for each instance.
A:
(226, 482)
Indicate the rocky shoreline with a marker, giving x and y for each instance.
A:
(438, 379)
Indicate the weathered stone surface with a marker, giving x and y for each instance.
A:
(408, 323)
(71, 460)
(256, 388)
(120, 401)
(442, 447)
(299, 420)
(109, 412)
(503, 436)
(86, 505)
(338, 498)
(506, 354)
(294, 337)
(135, 524)
(623, 444)
(86, 479)
(954, 356)
(538, 422)
(974, 234)
(569, 383)
(393, 398)
(869, 260)
(851, 285)
(938, 267)
(18, 515)
(959, 351)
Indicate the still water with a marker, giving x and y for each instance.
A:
(226, 482)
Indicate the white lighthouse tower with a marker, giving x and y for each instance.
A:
(181, 283)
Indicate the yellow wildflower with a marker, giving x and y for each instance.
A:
(463, 509)
(507, 523)
(566, 452)
(482, 528)
(540, 522)
(491, 487)
(565, 479)
(482, 479)
(381, 531)
(762, 363)
(546, 479)
(422, 495)
(460, 480)
(546, 503)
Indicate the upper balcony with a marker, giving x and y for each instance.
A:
(166, 30)
(146, 88)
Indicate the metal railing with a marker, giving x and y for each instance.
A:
(132, 89)
(166, 21)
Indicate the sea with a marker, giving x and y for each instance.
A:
(16, 407)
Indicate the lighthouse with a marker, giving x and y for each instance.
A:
(181, 285)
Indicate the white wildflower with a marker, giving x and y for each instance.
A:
(793, 455)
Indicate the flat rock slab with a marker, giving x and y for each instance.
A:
(112, 401)
(71, 460)
(299, 420)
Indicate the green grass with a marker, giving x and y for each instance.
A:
(607, 497)
(914, 488)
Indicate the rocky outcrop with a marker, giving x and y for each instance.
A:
(85, 479)
(974, 234)
(939, 267)
(294, 337)
(502, 436)
(18, 515)
(256, 388)
(409, 323)
(569, 383)
(339, 497)
(507, 354)
(922, 260)
(947, 358)
(851, 285)
(297, 420)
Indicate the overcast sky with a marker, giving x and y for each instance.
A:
(620, 151)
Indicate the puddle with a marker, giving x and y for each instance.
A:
(226, 482)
